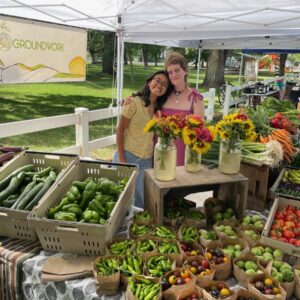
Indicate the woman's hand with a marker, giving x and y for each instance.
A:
(127, 100)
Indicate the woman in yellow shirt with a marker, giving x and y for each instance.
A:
(133, 145)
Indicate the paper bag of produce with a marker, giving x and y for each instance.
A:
(146, 246)
(155, 265)
(213, 290)
(245, 293)
(297, 281)
(137, 230)
(143, 218)
(121, 245)
(172, 249)
(195, 217)
(191, 249)
(235, 248)
(192, 292)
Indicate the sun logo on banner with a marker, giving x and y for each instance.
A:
(5, 39)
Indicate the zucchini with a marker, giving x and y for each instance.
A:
(4, 182)
(9, 202)
(29, 196)
(48, 182)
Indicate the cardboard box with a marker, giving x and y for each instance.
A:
(83, 238)
(14, 223)
(279, 203)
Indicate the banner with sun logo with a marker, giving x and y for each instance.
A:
(32, 51)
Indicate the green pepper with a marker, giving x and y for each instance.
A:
(109, 207)
(74, 208)
(88, 194)
(75, 191)
(56, 209)
(80, 185)
(96, 206)
(87, 215)
(65, 216)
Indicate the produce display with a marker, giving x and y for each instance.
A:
(226, 230)
(216, 256)
(168, 248)
(107, 266)
(290, 183)
(208, 235)
(145, 246)
(121, 248)
(178, 277)
(249, 267)
(157, 265)
(141, 230)
(199, 267)
(189, 233)
(285, 226)
(24, 187)
(219, 290)
(131, 265)
(89, 201)
(252, 234)
(282, 271)
(266, 253)
(234, 251)
(255, 220)
(164, 232)
(189, 250)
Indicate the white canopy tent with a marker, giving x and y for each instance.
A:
(220, 24)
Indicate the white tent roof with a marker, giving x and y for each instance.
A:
(227, 24)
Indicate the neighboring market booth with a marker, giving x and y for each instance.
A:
(130, 22)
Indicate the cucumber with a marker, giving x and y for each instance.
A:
(29, 196)
(9, 202)
(4, 182)
(28, 187)
(14, 183)
(48, 182)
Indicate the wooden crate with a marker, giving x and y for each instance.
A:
(230, 188)
(257, 185)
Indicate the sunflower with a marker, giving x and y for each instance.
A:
(150, 125)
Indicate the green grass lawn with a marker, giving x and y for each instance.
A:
(30, 101)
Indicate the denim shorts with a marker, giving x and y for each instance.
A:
(143, 163)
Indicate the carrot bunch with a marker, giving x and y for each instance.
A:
(283, 137)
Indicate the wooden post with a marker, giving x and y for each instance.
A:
(227, 99)
(211, 104)
(82, 130)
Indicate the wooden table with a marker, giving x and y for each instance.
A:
(231, 188)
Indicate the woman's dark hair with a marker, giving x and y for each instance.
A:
(144, 93)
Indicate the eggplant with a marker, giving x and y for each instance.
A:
(10, 149)
(6, 157)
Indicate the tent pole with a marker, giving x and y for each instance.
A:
(120, 59)
(241, 68)
(198, 65)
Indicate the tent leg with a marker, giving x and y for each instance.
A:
(241, 68)
(120, 70)
(198, 66)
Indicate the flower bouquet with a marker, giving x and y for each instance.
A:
(197, 139)
(166, 128)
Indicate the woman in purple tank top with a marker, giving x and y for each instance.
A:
(183, 99)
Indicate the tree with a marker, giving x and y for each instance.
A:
(108, 53)
(145, 54)
(130, 51)
(95, 45)
(155, 52)
(192, 55)
(282, 61)
(214, 75)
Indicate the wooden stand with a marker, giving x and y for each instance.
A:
(231, 188)
(258, 185)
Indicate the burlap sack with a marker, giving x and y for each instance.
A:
(172, 292)
(207, 285)
(222, 271)
(200, 278)
(261, 296)
(297, 282)
(239, 241)
(133, 234)
(241, 276)
(289, 287)
(147, 257)
(130, 296)
(106, 285)
(193, 246)
(189, 291)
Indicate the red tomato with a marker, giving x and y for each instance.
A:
(279, 222)
(290, 217)
(297, 232)
(279, 215)
(292, 241)
(288, 234)
(205, 264)
(297, 212)
(278, 116)
(297, 243)
(275, 233)
(290, 224)
(284, 240)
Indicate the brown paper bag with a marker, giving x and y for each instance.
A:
(241, 276)
(250, 241)
(245, 293)
(288, 286)
(222, 270)
(199, 275)
(177, 257)
(188, 291)
(144, 221)
(106, 285)
(150, 260)
(196, 222)
(67, 268)
(262, 277)
(210, 243)
(233, 242)
(128, 248)
(139, 246)
(185, 227)
(207, 286)
(129, 294)
(174, 223)
(188, 247)
(140, 230)
(172, 292)
(297, 282)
